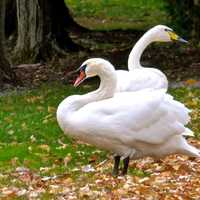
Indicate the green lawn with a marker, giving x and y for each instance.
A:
(118, 14)
(29, 131)
(30, 136)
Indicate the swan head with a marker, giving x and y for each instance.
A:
(93, 67)
(162, 33)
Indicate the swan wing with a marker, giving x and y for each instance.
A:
(146, 116)
(141, 78)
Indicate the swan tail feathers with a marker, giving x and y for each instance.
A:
(192, 151)
(188, 149)
(188, 132)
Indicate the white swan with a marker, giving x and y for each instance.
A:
(129, 124)
(139, 77)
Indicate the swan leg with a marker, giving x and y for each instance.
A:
(126, 163)
(115, 171)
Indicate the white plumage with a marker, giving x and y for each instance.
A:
(129, 124)
(139, 77)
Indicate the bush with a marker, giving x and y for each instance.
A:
(185, 16)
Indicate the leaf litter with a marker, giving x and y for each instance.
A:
(175, 177)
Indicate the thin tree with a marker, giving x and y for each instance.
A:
(6, 73)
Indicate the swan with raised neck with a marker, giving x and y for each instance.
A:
(159, 33)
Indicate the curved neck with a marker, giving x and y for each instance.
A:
(138, 49)
(106, 90)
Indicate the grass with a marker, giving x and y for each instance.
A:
(29, 132)
(118, 14)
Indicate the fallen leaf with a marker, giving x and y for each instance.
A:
(33, 139)
(88, 168)
(21, 192)
(191, 82)
(44, 147)
(51, 109)
(67, 159)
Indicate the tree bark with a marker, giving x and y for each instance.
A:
(30, 23)
(42, 29)
(11, 18)
(6, 73)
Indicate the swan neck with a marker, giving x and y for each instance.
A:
(108, 84)
(71, 105)
(106, 90)
(138, 49)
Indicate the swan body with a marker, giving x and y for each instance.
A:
(129, 124)
(139, 77)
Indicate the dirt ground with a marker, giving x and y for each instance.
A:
(180, 62)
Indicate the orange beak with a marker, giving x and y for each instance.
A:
(80, 79)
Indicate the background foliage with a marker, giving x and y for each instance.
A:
(185, 16)
(118, 14)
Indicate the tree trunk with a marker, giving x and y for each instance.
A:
(42, 29)
(6, 73)
(29, 31)
(11, 18)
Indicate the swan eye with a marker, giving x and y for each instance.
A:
(83, 67)
(173, 36)
(168, 30)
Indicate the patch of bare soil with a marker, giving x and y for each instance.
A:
(179, 62)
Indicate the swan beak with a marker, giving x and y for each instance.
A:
(80, 79)
(175, 37)
(182, 40)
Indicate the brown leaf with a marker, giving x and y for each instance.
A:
(44, 147)
(67, 159)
